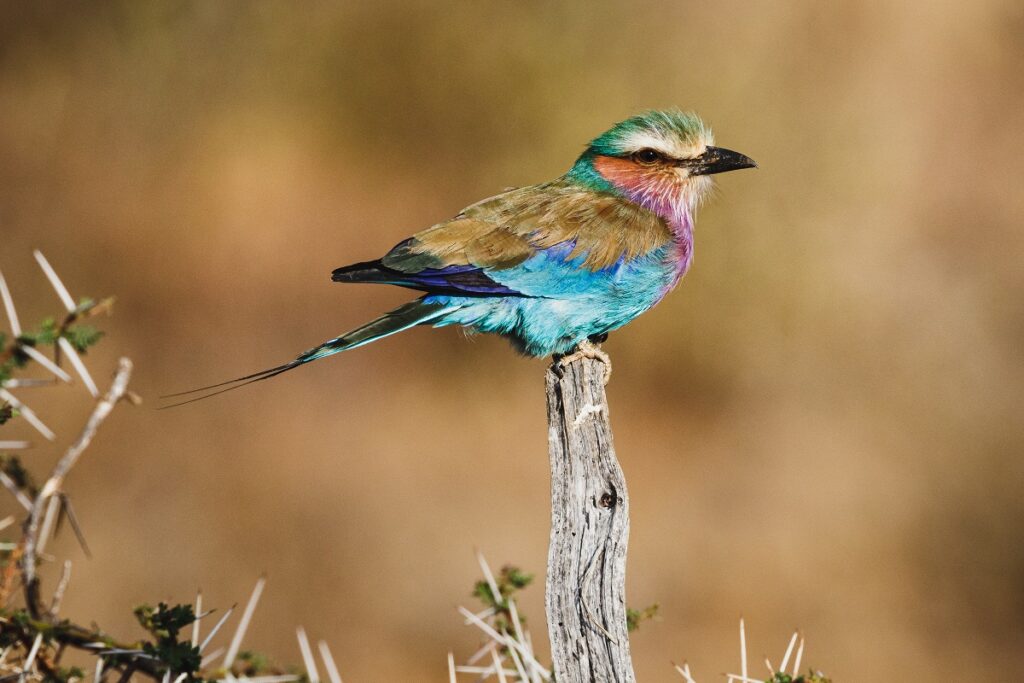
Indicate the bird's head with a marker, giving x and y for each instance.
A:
(660, 159)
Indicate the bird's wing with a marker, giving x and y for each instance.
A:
(479, 251)
(504, 231)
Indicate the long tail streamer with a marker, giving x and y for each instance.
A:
(402, 318)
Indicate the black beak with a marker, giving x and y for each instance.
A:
(718, 160)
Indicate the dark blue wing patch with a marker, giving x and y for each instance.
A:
(460, 280)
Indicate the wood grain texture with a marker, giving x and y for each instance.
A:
(585, 594)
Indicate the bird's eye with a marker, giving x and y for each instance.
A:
(647, 156)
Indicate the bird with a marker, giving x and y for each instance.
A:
(552, 267)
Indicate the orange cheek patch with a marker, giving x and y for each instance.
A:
(624, 173)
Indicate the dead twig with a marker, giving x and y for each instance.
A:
(53, 484)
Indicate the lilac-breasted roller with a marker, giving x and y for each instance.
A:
(554, 265)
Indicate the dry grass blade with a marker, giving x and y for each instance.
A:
(14, 445)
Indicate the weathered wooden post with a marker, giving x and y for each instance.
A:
(586, 581)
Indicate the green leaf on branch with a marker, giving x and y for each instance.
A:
(249, 663)
(634, 617)
(509, 580)
(811, 677)
(45, 335)
(164, 623)
(82, 336)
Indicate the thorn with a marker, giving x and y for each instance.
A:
(743, 648)
(489, 576)
(198, 610)
(30, 660)
(307, 656)
(498, 665)
(52, 507)
(37, 355)
(210, 658)
(799, 656)
(58, 286)
(216, 627)
(28, 414)
(332, 669)
(684, 671)
(243, 624)
(789, 651)
(79, 366)
(25, 382)
(69, 513)
(18, 494)
(12, 315)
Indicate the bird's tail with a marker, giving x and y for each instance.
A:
(402, 318)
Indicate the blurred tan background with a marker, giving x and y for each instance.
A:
(821, 428)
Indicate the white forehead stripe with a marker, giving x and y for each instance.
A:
(668, 144)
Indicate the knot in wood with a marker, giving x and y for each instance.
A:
(608, 500)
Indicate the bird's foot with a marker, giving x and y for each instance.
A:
(588, 349)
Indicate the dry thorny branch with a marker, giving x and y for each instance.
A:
(33, 637)
(507, 653)
(781, 675)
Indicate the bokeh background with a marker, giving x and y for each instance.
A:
(821, 428)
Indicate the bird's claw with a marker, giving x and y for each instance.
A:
(588, 349)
